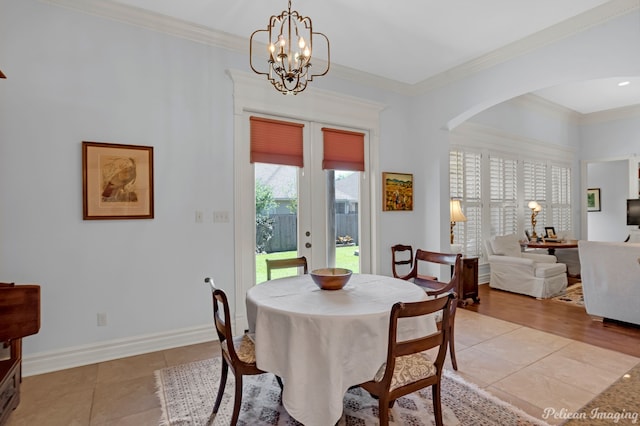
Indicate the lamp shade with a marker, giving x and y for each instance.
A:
(456, 211)
(534, 205)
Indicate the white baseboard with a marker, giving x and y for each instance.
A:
(46, 362)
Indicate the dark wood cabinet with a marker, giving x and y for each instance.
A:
(19, 317)
(469, 283)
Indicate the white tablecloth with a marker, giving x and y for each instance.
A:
(322, 342)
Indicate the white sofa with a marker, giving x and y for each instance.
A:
(611, 279)
(533, 274)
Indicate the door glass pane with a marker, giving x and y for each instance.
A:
(276, 217)
(343, 189)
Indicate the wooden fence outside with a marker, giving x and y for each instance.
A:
(285, 229)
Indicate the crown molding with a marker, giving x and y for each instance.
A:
(190, 31)
(156, 22)
(623, 113)
(589, 19)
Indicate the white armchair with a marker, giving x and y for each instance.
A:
(533, 274)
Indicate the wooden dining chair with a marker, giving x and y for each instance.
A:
(401, 258)
(435, 287)
(408, 368)
(237, 353)
(296, 262)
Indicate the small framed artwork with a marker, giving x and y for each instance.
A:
(117, 181)
(593, 200)
(397, 191)
(550, 232)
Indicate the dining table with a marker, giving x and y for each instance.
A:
(321, 342)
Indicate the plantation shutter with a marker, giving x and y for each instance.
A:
(343, 150)
(503, 186)
(276, 142)
(535, 189)
(465, 185)
(561, 198)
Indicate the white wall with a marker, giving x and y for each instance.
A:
(74, 77)
(609, 224)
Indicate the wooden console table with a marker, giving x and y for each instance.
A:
(550, 245)
(469, 283)
(19, 317)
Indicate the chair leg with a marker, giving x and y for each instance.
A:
(237, 402)
(452, 340)
(383, 410)
(437, 403)
(223, 383)
(452, 348)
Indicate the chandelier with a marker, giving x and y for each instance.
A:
(290, 47)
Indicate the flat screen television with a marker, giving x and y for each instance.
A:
(633, 212)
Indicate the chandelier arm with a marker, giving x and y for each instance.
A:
(289, 60)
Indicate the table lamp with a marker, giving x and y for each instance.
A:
(535, 209)
(455, 211)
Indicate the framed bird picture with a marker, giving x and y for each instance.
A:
(117, 181)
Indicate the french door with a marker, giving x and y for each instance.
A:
(316, 210)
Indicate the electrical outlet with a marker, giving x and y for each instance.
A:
(102, 319)
(221, 217)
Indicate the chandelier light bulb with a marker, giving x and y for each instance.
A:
(301, 43)
(281, 41)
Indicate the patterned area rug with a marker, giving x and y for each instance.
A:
(573, 295)
(187, 393)
(617, 405)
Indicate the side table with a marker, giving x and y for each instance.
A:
(469, 283)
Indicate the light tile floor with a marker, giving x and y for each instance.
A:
(531, 369)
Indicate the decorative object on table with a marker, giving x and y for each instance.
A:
(117, 181)
(331, 278)
(185, 393)
(593, 200)
(456, 215)
(296, 262)
(550, 234)
(290, 48)
(397, 191)
(535, 209)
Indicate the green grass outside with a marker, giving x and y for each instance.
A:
(345, 258)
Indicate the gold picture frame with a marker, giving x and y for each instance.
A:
(397, 191)
(117, 181)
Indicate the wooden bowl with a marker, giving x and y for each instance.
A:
(331, 278)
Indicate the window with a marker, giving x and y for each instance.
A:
(465, 185)
(509, 183)
(503, 184)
